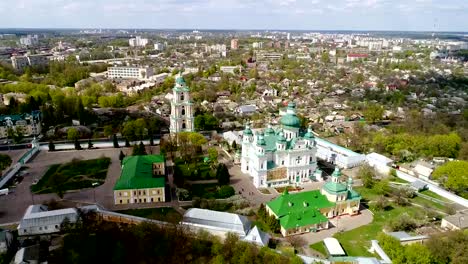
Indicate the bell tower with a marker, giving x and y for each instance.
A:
(181, 107)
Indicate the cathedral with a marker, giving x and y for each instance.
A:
(181, 108)
(280, 157)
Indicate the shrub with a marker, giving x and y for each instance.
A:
(225, 191)
(381, 203)
(402, 223)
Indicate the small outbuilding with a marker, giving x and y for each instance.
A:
(333, 247)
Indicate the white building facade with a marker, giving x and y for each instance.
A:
(129, 72)
(280, 157)
(181, 108)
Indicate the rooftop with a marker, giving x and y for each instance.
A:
(137, 173)
(302, 203)
(333, 247)
(221, 221)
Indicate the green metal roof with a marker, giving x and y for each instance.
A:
(294, 203)
(269, 131)
(335, 187)
(353, 195)
(290, 120)
(298, 219)
(309, 134)
(137, 173)
(180, 80)
(248, 131)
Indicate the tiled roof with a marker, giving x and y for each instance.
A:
(137, 173)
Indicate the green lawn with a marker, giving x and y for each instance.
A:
(207, 191)
(427, 203)
(356, 242)
(167, 214)
(319, 247)
(367, 194)
(196, 171)
(434, 195)
(77, 174)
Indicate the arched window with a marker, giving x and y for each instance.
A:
(182, 97)
(183, 125)
(183, 110)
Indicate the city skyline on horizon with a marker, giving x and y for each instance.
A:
(333, 15)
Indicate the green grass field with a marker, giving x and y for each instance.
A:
(196, 171)
(77, 174)
(166, 214)
(356, 242)
(207, 191)
(434, 195)
(319, 247)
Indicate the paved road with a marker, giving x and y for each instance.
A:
(15, 155)
(13, 206)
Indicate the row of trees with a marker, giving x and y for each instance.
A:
(447, 247)
(409, 146)
(454, 176)
(91, 241)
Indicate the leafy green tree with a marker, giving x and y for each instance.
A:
(139, 149)
(453, 176)
(381, 203)
(325, 58)
(392, 247)
(15, 134)
(382, 187)
(366, 173)
(206, 122)
(73, 134)
(5, 161)
(108, 131)
(213, 156)
(225, 191)
(418, 254)
(222, 174)
(373, 113)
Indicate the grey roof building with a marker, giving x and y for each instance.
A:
(37, 220)
(217, 223)
(258, 237)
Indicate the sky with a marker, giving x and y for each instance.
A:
(408, 15)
